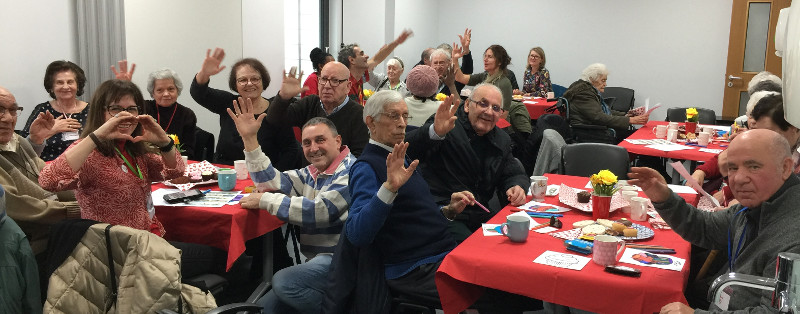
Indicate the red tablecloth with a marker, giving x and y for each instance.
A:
(495, 262)
(226, 227)
(646, 132)
(536, 107)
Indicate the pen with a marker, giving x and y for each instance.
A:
(206, 191)
(481, 206)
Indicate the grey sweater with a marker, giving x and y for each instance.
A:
(774, 230)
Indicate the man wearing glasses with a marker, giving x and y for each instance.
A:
(332, 103)
(33, 208)
(472, 155)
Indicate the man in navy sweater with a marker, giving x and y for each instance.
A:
(392, 205)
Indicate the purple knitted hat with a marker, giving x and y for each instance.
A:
(422, 81)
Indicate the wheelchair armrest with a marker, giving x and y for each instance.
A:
(236, 307)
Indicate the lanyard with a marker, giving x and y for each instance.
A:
(733, 255)
(138, 171)
(158, 116)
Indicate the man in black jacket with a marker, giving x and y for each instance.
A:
(472, 155)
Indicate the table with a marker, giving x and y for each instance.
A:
(495, 262)
(536, 107)
(226, 227)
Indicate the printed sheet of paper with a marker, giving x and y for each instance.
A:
(211, 199)
(562, 260)
(490, 230)
(669, 148)
(678, 166)
(642, 258)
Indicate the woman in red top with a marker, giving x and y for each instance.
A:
(119, 154)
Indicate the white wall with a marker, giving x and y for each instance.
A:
(176, 34)
(30, 42)
(673, 52)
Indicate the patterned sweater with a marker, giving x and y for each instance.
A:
(315, 201)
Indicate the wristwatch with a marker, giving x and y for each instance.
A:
(168, 147)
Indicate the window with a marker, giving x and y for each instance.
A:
(301, 33)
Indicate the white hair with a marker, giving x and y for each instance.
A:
(163, 74)
(481, 85)
(593, 72)
(396, 61)
(376, 104)
(440, 51)
(763, 76)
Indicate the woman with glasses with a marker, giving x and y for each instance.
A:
(249, 78)
(64, 81)
(536, 81)
(110, 168)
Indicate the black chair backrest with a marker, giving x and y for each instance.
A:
(203, 145)
(559, 90)
(586, 159)
(623, 98)
(678, 114)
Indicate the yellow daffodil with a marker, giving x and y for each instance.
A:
(177, 142)
(603, 182)
(368, 93)
(440, 97)
(691, 114)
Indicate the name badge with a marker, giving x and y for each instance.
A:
(151, 210)
(724, 298)
(70, 136)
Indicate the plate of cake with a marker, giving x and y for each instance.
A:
(195, 174)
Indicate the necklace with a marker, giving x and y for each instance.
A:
(158, 116)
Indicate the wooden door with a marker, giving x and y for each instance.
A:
(751, 49)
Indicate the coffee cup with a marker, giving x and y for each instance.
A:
(185, 160)
(606, 250)
(709, 130)
(241, 169)
(672, 126)
(516, 228)
(638, 208)
(660, 130)
(672, 135)
(703, 139)
(226, 179)
(538, 187)
(627, 196)
(551, 95)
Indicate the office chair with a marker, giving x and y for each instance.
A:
(586, 159)
(705, 116)
(623, 98)
(203, 145)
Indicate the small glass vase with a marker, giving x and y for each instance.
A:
(691, 127)
(601, 206)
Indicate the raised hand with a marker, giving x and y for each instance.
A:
(243, 116)
(445, 118)
(212, 65)
(123, 73)
(466, 39)
(42, 127)
(396, 172)
(457, 54)
(651, 182)
(516, 195)
(109, 130)
(291, 85)
(403, 36)
(151, 131)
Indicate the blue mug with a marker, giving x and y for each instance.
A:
(516, 228)
(226, 178)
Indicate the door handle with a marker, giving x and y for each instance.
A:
(731, 77)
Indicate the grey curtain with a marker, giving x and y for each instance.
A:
(101, 40)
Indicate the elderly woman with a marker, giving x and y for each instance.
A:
(249, 78)
(586, 106)
(318, 60)
(64, 81)
(390, 80)
(536, 81)
(121, 151)
(165, 86)
(768, 114)
(423, 82)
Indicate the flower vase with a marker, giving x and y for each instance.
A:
(691, 127)
(601, 205)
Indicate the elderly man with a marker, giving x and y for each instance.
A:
(314, 198)
(393, 208)
(332, 103)
(470, 154)
(425, 57)
(361, 65)
(441, 62)
(754, 231)
(33, 208)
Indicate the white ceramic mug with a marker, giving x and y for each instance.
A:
(672, 135)
(551, 95)
(241, 169)
(660, 130)
(703, 139)
(627, 196)
(538, 187)
(185, 160)
(710, 130)
(638, 208)
(606, 249)
(673, 126)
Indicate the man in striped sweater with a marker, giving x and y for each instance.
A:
(314, 198)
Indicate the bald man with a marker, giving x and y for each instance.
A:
(332, 103)
(763, 224)
(33, 208)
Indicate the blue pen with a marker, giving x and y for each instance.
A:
(206, 191)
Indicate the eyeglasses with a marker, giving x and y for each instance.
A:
(114, 110)
(396, 116)
(485, 104)
(243, 80)
(535, 57)
(13, 111)
(334, 82)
